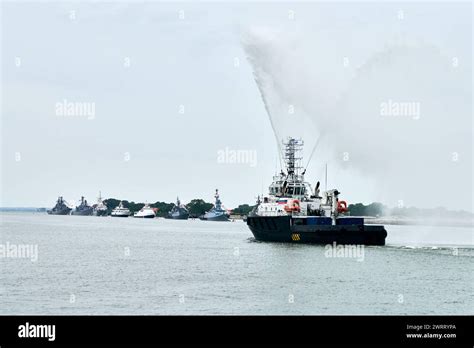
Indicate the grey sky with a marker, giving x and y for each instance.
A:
(197, 62)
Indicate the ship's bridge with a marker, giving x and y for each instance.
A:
(298, 187)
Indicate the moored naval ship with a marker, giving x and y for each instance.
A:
(217, 213)
(83, 209)
(61, 208)
(178, 212)
(100, 209)
(293, 212)
(120, 211)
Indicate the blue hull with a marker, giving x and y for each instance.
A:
(291, 230)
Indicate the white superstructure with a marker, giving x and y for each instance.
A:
(290, 194)
(145, 212)
(120, 211)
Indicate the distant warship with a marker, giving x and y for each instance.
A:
(100, 209)
(217, 213)
(179, 211)
(60, 208)
(83, 209)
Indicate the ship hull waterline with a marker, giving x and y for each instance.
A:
(82, 212)
(215, 218)
(59, 212)
(181, 217)
(280, 229)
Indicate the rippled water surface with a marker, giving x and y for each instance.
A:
(94, 265)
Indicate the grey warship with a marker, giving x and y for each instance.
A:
(60, 208)
(217, 213)
(83, 209)
(100, 209)
(178, 212)
(292, 212)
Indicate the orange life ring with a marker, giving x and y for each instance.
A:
(342, 206)
(294, 205)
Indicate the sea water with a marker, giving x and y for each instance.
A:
(105, 265)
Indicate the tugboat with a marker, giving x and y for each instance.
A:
(146, 212)
(217, 213)
(179, 211)
(60, 208)
(293, 212)
(100, 209)
(120, 211)
(83, 209)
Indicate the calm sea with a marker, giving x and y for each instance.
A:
(104, 265)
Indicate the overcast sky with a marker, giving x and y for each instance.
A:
(171, 87)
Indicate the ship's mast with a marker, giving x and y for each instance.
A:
(291, 183)
(217, 204)
(293, 158)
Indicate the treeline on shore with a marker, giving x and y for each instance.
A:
(196, 207)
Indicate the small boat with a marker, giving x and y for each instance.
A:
(100, 209)
(146, 212)
(120, 211)
(217, 213)
(61, 208)
(178, 212)
(83, 209)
